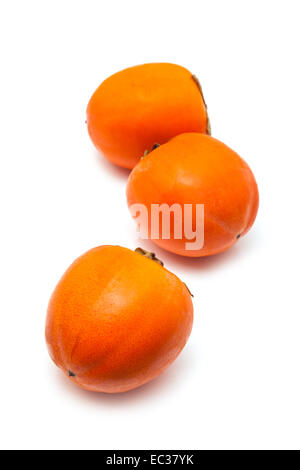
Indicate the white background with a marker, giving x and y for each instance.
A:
(237, 384)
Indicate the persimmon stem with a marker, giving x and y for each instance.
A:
(154, 146)
(149, 255)
(208, 127)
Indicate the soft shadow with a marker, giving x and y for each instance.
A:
(163, 384)
(243, 246)
(115, 170)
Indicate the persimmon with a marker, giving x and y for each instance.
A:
(194, 169)
(117, 319)
(142, 105)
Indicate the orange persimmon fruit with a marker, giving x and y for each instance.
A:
(117, 320)
(141, 105)
(193, 169)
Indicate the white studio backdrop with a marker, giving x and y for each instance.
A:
(236, 385)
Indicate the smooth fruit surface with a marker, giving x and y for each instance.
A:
(197, 169)
(141, 105)
(116, 320)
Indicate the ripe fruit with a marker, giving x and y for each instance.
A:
(133, 109)
(195, 169)
(116, 319)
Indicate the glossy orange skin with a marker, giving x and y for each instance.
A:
(141, 105)
(197, 169)
(116, 320)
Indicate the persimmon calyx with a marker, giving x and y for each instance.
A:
(145, 153)
(152, 256)
(154, 146)
(192, 295)
(149, 255)
(196, 80)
